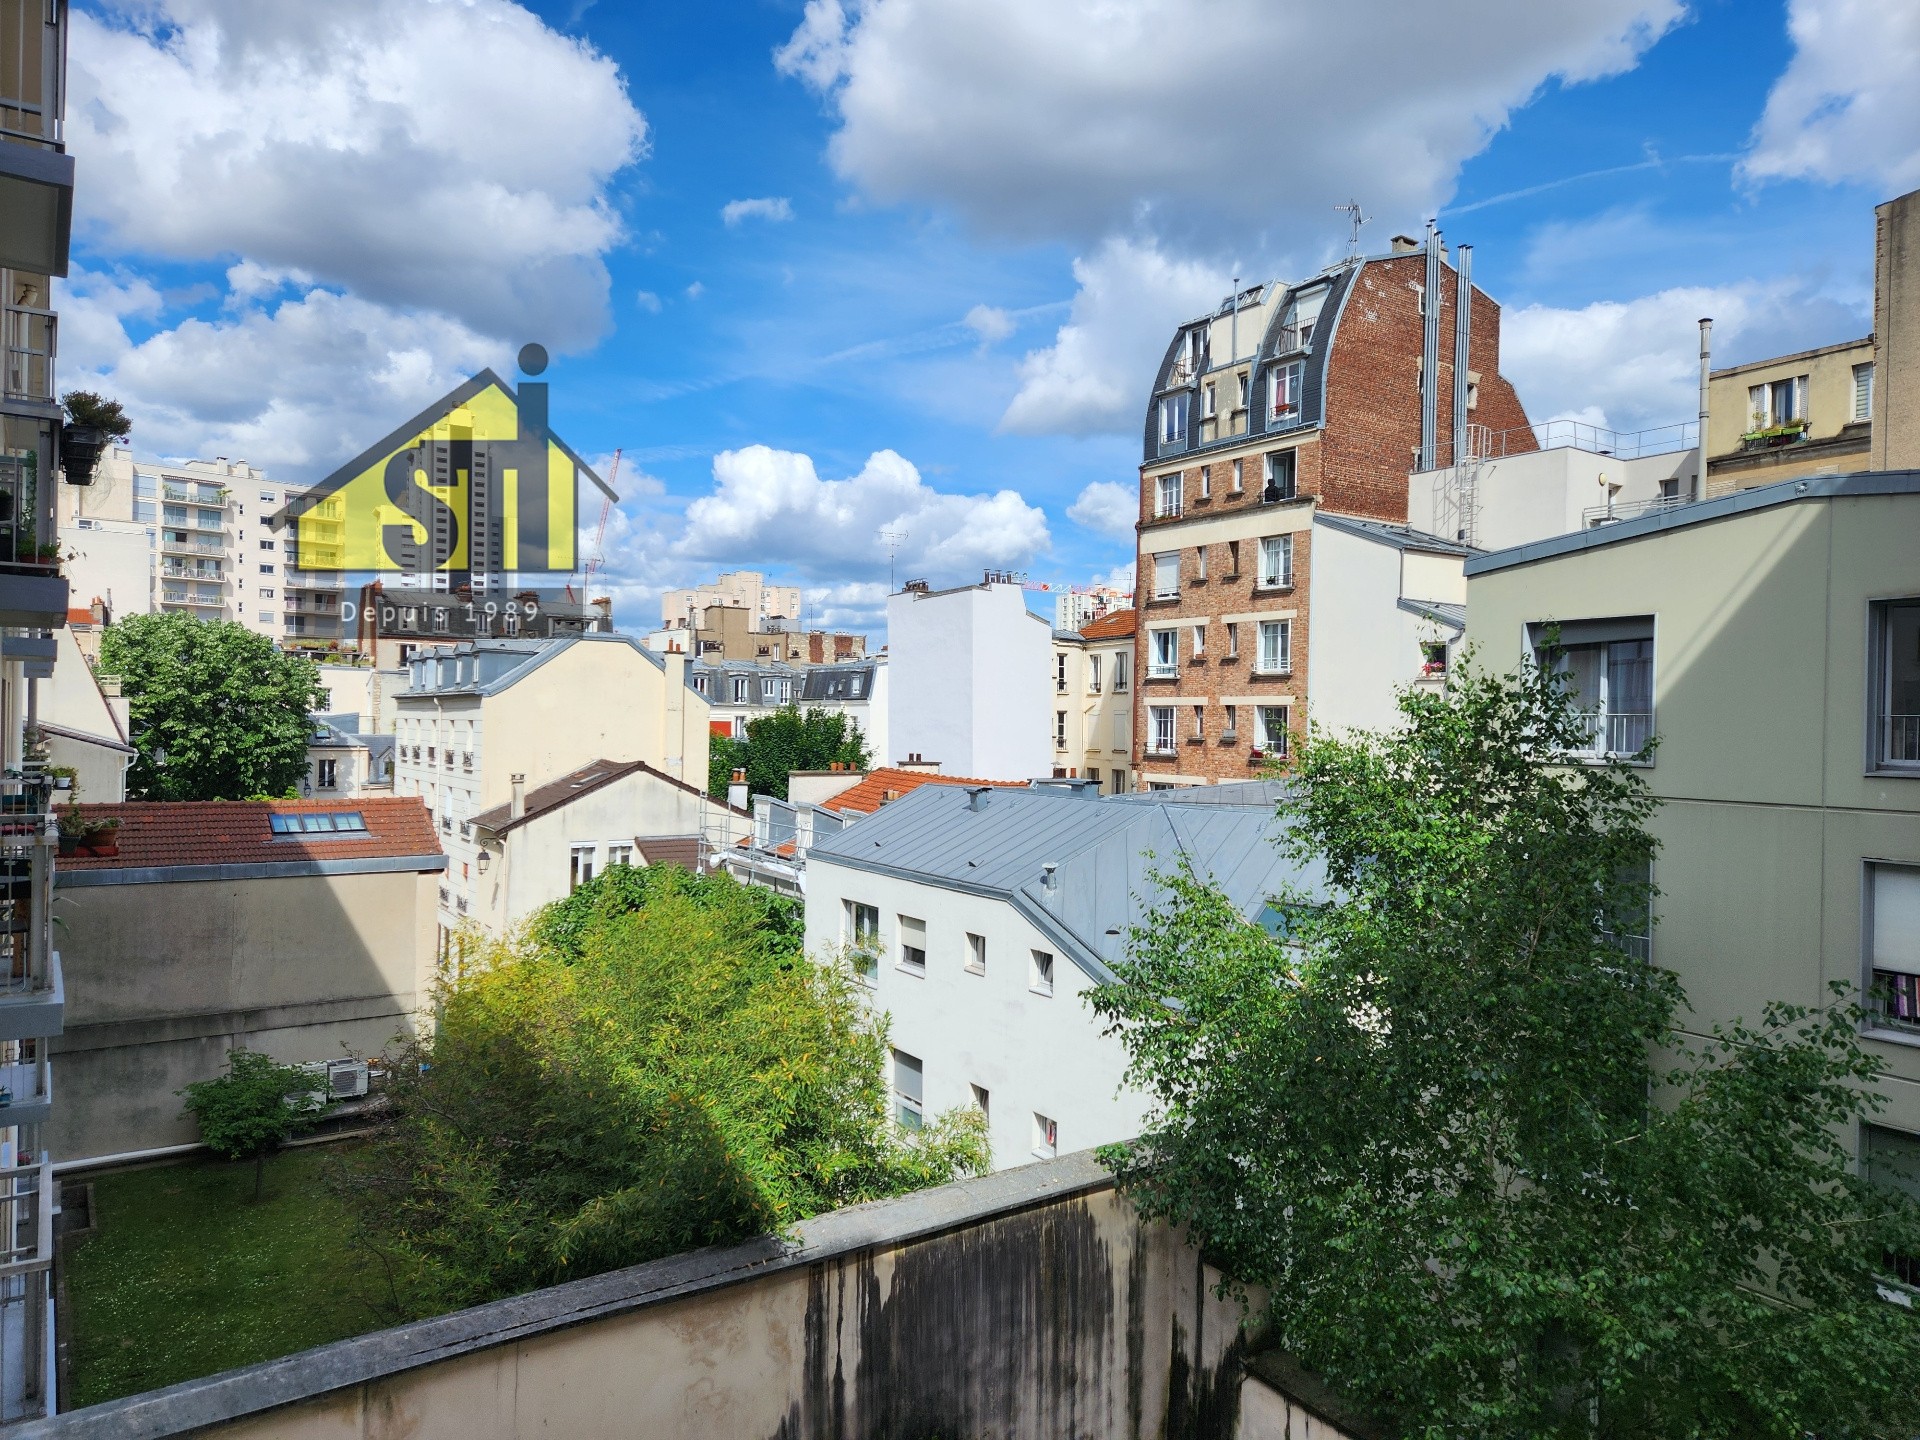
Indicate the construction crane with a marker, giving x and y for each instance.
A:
(598, 559)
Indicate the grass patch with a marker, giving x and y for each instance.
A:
(185, 1276)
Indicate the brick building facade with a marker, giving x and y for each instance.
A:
(1287, 402)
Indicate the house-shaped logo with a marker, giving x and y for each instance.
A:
(473, 489)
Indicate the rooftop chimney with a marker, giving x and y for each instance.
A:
(517, 806)
(737, 790)
(1404, 244)
(977, 796)
(1706, 371)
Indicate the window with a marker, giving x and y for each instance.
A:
(1896, 707)
(1059, 729)
(976, 954)
(1608, 665)
(1670, 490)
(1200, 640)
(1777, 403)
(907, 1081)
(328, 773)
(1094, 776)
(1046, 1137)
(1206, 481)
(1173, 420)
(1040, 973)
(1199, 564)
(1060, 673)
(980, 1098)
(1271, 733)
(266, 593)
(310, 822)
(1236, 464)
(860, 924)
(1276, 562)
(1199, 733)
(1891, 1161)
(266, 569)
(1233, 640)
(1276, 647)
(1093, 674)
(1161, 717)
(1863, 391)
(1121, 727)
(1232, 730)
(267, 497)
(1282, 468)
(740, 690)
(1233, 556)
(1163, 654)
(1195, 360)
(913, 944)
(1166, 575)
(1121, 663)
(1242, 402)
(619, 855)
(1284, 387)
(1211, 405)
(1893, 944)
(581, 859)
(266, 544)
(1433, 657)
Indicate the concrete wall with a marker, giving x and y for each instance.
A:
(1032, 1053)
(112, 561)
(163, 979)
(1523, 498)
(1033, 1303)
(971, 684)
(1366, 648)
(1896, 334)
(1770, 810)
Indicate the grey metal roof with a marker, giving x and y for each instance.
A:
(1105, 853)
(1400, 537)
(842, 680)
(1741, 502)
(1263, 793)
(508, 662)
(1442, 612)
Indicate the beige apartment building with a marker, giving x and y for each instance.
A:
(1093, 702)
(1770, 639)
(745, 590)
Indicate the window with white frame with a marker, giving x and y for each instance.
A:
(1046, 1136)
(1199, 564)
(1271, 733)
(1893, 944)
(1040, 973)
(1283, 467)
(1231, 730)
(1197, 732)
(1607, 666)
(1200, 640)
(1285, 387)
(1276, 562)
(908, 1090)
(913, 944)
(1168, 494)
(1160, 735)
(1195, 359)
(1166, 575)
(1276, 647)
(1093, 673)
(328, 776)
(1777, 403)
(1121, 663)
(740, 683)
(580, 866)
(1895, 707)
(976, 954)
(1210, 405)
(1237, 486)
(1233, 640)
(1059, 729)
(1163, 653)
(860, 924)
(980, 1100)
(1173, 419)
(1242, 380)
(1060, 672)
(1206, 481)
(619, 855)
(1863, 391)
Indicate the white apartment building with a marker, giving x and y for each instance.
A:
(1081, 606)
(1093, 702)
(981, 918)
(969, 686)
(475, 715)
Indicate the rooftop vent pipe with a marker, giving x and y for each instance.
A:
(517, 806)
(977, 796)
(1047, 881)
(1706, 369)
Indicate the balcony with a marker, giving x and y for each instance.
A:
(194, 494)
(1618, 733)
(1275, 583)
(1163, 670)
(178, 543)
(26, 1089)
(30, 343)
(26, 1219)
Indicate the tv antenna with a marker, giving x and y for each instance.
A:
(1355, 219)
(893, 540)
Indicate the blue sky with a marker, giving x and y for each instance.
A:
(978, 220)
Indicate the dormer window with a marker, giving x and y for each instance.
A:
(1195, 358)
(1173, 420)
(1285, 389)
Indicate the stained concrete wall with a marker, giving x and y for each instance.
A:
(1032, 1302)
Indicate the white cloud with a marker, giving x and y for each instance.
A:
(696, 290)
(1075, 119)
(1847, 107)
(1095, 374)
(772, 506)
(1632, 365)
(1107, 508)
(771, 208)
(648, 301)
(989, 322)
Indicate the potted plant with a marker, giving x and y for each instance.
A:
(64, 777)
(102, 839)
(80, 833)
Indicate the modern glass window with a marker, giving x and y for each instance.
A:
(1272, 734)
(1276, 647)
(1040, 973)
(1284, 388)
(1163, 653)
(1895, 709)
(1168, 494)
(1863, 391)
(860, 924)
(908, 1090)
(1166, 575)
(1276, 562)
(913, 944)
(309, 822)
(1173, 419)
(1282, 469)
(976, 954)
(1893, 944)
(1608, 665)
(1161, 719)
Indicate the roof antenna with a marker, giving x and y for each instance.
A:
(893, 540)
(1354, 221)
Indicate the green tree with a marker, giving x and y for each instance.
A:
(789, 739)
(84, 407)
(253, 1109)
(1419, 1114)
(661, 1069)
(217, 712)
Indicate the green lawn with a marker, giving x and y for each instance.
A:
(186, 1276)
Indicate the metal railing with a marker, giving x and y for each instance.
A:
(1163, 670)
(193, 544)
(1618, 732)
(1578, 435)
(1612, 514)
(173, 570)
(31, 339)
(191, 495)
(1291, 339)
(26, 1218)
(26, 901)
(1901, 742)
(25, 1082)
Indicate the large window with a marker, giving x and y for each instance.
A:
(1120, 664)
(1283, 467)
(1276, 562)
(1276, 647)
(1893, 944)
(1163, 654)
(1167, 495)
(1608, 666)
(1272, 733)
(1777, 403)
(908, 1090)
(1166, 575)
(1161, 735)
(860, 924)
(580, 865)
(1284, 388)
(1173, 419)
(1896, 701)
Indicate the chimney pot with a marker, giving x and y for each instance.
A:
(517, 805)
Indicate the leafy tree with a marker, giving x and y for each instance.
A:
(84, 407)
(217, 712)
(789, 739)
(671, 1075)
(773, 926)
(253, 1109)
(1419, 1114)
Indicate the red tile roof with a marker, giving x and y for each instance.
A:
(1116, 626)
(238, 832)
(79, 615)
(886, 784)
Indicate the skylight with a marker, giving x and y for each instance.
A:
(319, 822)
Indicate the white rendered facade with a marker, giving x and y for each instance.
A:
(969, 684)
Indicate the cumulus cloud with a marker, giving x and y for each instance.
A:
(1846, 108)
(1076, 118)
(1107, 508)
(1633, 365)
(989, 322)
(648, 301)
(1095, 374)
(772, 208)
(773, 505)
